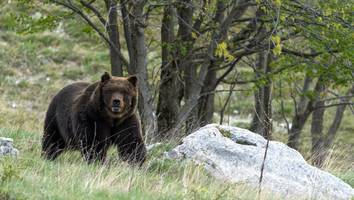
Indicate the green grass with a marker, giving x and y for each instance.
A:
(31, 177)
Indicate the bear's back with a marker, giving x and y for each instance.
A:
(64, 106)
(70, 93)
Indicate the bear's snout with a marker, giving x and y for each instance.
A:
(116, 104)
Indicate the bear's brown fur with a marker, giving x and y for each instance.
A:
(92, 117)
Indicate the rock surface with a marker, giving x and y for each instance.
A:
(235, 155)
(6, 147)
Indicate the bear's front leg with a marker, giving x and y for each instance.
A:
(95, 152)
(129, 141)
(133, 151)
(93, 142)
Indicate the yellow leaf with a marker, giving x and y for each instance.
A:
(277, 44)
(194, 36)
(277, 3)
(222, 52)
(276, 39)
(282, 18)
(277, 50)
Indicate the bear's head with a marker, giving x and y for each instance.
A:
(117, 96)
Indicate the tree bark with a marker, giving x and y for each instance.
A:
(113, 34)
(185, 21)
(168, 105)
(317, 131)
(206, 102)
(127, 33)
(188, 111)
(302, 113)
(337, 119)
(298, 124)
(257, 125)
(262, 118)
(321, 143)
(138, 64)
(267, 100)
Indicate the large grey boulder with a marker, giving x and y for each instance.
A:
(6, 147)
(235, 155)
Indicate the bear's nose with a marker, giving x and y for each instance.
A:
(116, 103)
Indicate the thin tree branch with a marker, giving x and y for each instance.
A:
(282, 107)
(226, 103)
(337, 97)
(306, 55)
(333, 105)
(95, 11)
(231, 67)
(77, 10)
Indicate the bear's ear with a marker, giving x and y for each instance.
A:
(105, 77)
(133, 80)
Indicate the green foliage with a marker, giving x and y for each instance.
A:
(222, 52)
(33, 25)
(277, 45)
(277, 3)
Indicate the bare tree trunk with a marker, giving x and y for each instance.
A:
(226, 103)
(112, 29)
(267, 100)
(320, 152)
(206, 102)
(168, 105)
(298, 124)
(317, 131)
(302, 113)
(185, 22)
(206, 106)
(337, 119)
(258, 116)
(139, 66)
(262, 118)
(127, 32)
(300, 117)
(188, 111)
(190, 87)
(256, 124)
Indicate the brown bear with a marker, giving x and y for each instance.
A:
(92, 117)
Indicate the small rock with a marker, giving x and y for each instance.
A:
(6, 147)
(14, 105)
